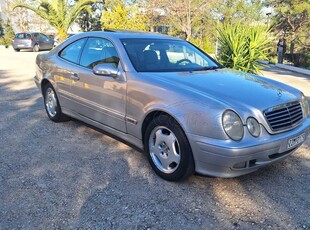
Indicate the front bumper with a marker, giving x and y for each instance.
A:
(226, 158)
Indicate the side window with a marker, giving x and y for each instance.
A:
(43, 37)
(72, 52)
(98, 50)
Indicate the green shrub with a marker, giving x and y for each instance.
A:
(8, 34)
(1, 41)
(203, 44)
(242, 46)
(273, 59)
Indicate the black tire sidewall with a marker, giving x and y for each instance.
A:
(186, 165)
(57, 117)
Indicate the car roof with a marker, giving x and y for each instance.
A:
(120, 34)
(29, 33)
(113, 35)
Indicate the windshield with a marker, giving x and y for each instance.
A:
(163, 55)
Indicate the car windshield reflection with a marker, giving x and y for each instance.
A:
(160, 55)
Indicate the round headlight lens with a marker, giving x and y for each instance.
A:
(232, 125)
(253, 126)
(305, 106)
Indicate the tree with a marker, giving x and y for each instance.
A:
(155, 13)
(236, 11)
(293, 18)
(183, 15)
(60, 14)
(91, 21)
(20, 17)
(8, 33)
(124, 17)
(23, 19)
(112, 4)
(1, 31)
(1, 27)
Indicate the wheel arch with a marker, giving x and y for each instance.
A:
(153, 115)
(44, 83)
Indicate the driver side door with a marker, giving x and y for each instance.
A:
(100, 98)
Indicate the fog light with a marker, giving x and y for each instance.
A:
(253, 126)
(240, 165)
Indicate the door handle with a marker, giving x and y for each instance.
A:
(75, 77)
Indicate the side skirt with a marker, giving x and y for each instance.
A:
(118, 134)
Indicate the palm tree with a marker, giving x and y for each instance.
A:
(60, 14)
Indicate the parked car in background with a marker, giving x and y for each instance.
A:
(171, 99)
(32, 41)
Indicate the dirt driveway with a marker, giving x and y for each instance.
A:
(69, 176)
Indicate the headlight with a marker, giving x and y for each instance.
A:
(305, 106)
(232, 125)
(253, 126)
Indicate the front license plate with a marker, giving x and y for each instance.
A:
(296, 140)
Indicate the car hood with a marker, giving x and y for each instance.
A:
(233, 88)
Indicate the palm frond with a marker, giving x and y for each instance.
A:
(242, 46)
(60, 14)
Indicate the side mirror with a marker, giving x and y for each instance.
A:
(105, 69)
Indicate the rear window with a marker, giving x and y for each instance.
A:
(23, 36)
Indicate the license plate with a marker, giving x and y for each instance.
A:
(296, 140)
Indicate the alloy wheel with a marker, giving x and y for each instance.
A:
(51, 102)
(164, 149)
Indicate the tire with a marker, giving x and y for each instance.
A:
(168, 150)
(52, 106)
(36, 48)
(16, 50)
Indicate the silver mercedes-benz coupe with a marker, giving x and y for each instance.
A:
(167, 97)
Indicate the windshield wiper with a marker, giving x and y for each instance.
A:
(208, 68)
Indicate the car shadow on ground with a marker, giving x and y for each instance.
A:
(70, 175)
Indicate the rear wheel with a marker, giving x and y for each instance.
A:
(52, 105)
(16, 50)
(36, 48)
(168, 149)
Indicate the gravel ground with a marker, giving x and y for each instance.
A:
(70, 176)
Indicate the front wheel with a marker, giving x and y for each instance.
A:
(52, 105)
(168, 149)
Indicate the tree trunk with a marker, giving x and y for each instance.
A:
(62, 34)
(292, 46)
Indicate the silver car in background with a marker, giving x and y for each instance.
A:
(162, 94)
(32, 41)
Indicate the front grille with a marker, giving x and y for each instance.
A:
(284, 116)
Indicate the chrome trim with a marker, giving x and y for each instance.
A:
(131, 120)
(284, 117)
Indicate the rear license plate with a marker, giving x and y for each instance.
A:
(296, 140)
